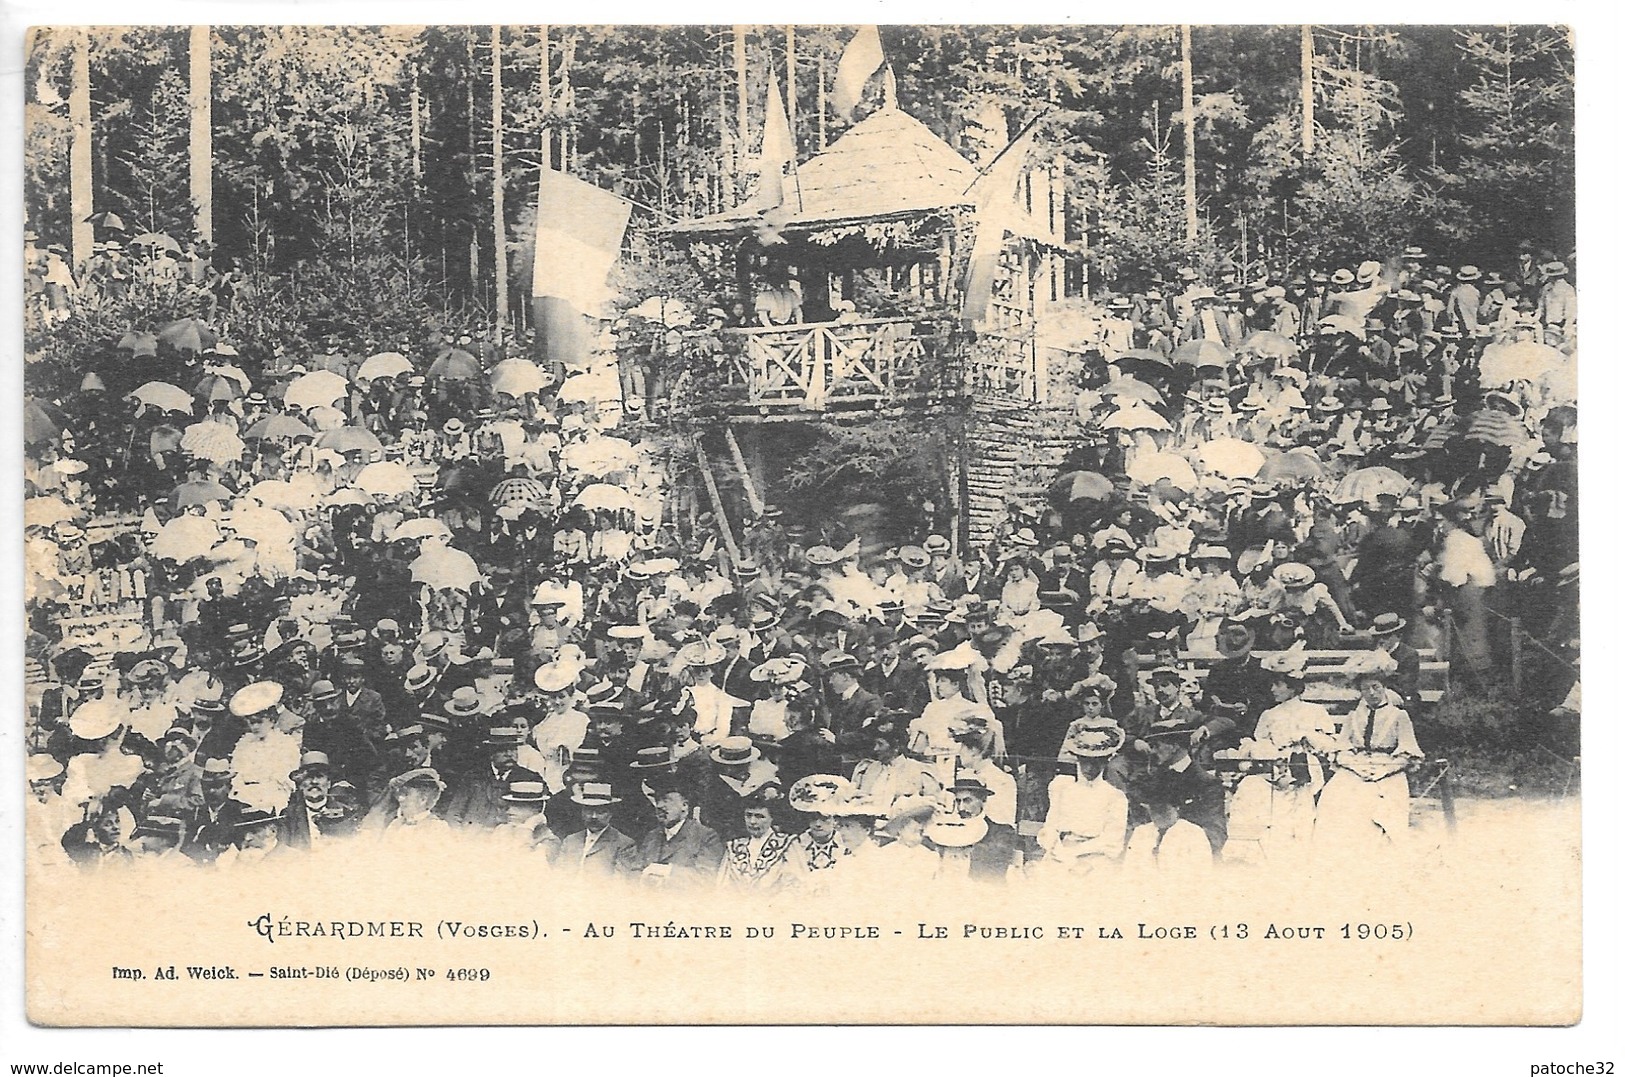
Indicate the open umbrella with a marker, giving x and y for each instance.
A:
(185, 537)
(276, 494)
(41, 421)
(1368, 482)
(1134, 417)
(212, 387)
(214, 442)
(599, 456)
(347, 496)
(1292, 468)
(1269, 345)
(187, 335)
(383, 365)
(602, 495)
(349, 439)
(47, 511)
(139, 344)
(163, 396)
(197, 492)
(455, 365)
(107, 219)
(518, 491)
(517, 377)
(585, 388)
(1342, 323)
(1151, 467)
(1203, 353)
(278, 428)
(386, 479)
(1145, 355)
(1232, 458)
(1081, 486)
(262, 524)
(445, 568)
(315, 389)
(1522, 360)
(158, 241)
(1128, 389)
(226, 370)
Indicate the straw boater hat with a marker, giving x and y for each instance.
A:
(594, 795)
(1468, 273)
(1294, 575)
(311, 763)
(1099, 739)
(525, 787)
(420, 677)
(822, 556)
(1386, 624)
(734, 751)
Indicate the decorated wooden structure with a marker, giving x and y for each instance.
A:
(849, 297)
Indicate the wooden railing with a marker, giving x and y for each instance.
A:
(830, 364)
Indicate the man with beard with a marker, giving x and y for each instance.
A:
(313, 817)
(210, 826)
(678, 849)
(477, 800)
(177, 782)
(335, 734)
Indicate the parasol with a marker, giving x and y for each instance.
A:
(383, 365)
(163, 396)
(226, 370)
(599, 456)
(1148, 468)
(187, 335)
(1368, 482)
(184, 538)
(316, 389)
(423, 527)
(325, 418)
(197, 492)
(1522, 360)
(1081, 486)
(347, 496)
(349, 439)
(1232, 458)
(386, 479)
(1203, 353)
(279, 428)
(455, 365)
(1145, 355)
(47, 511)
(1342, 323)
(139, 344)
(602, 495)
(214, 442)
(585, 388)
(1134, 417)
(263, 525)
(41, 421)
(1128, 389)
(107, 219)
(1292, 468)
(212, 387)
(445, 568)
(158, 241)
(518, 377)
(519, 491)
(275, 493)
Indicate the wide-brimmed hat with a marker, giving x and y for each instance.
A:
(951, 832)
(914, 557)
(655, 757)
(216, 769)
(422, 777)
(970, 784)
(1291, 663)
(499, 737)
(822, 556)
(464, 702)
(148, 671)
(43, 768)
(255, 698)
(935, 544)
(781, 671)
(905, 808)
(831, 661)
(1099, 739)
(420, 677)
(555, 677)
(1554, 269)
(1468, 273)
(734, 751)
(816, 793)
(1368, 272)
(93, 721)
(594, 795)
(1386, 624)
(701, 654)
(525, 787)
(1229, 649)
(311, 763)
(1294, 574)
(1343, 276)
(1378, 664)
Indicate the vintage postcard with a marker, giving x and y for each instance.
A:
(561, 524)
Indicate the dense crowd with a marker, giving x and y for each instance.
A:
(438, 596)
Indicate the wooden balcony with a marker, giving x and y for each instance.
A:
(826, 366)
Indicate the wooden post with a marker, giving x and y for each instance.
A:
(1515, 627)
(823, 108)
(499, 225)
(1188, 102)
(790, 86)
(1306, 49)
(716, 502)
(81, 188)
(749, 480)
(742, 89)
(545, 79)
(200, 154)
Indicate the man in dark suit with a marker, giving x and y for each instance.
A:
(598, 849)
(849, 704)
(996, 851)
(361, 707)
(1407, 680)
(1196, 794)
(212, 826)
(679, 849)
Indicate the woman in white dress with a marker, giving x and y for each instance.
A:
(1366, 805)
(1273, 810)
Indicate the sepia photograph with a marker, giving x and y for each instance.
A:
(511, 507)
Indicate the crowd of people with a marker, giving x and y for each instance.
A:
(414, 601)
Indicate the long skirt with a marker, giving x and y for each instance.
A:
(1356, 816)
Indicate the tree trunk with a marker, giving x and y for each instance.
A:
(417, 131)
(499, 227)
(790, 82)
(823, 108)
(82, 190)
(1306, 48)
(742, 88)
(545, 78)
(200, 152)
(1188, 102)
